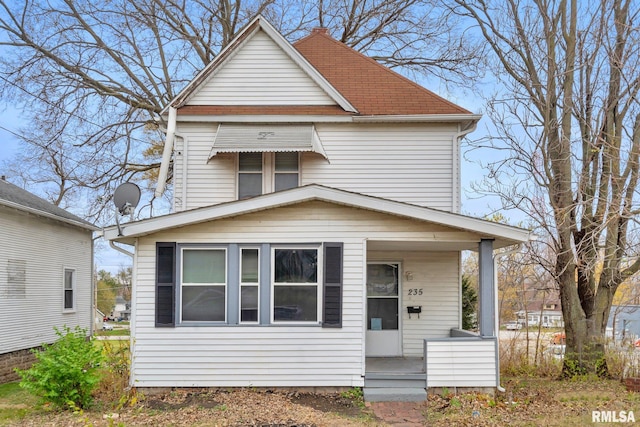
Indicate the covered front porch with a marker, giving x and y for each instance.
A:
(413, 339)
(463, 360)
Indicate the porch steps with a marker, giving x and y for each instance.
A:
(394, 387)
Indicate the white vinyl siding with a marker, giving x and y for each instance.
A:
(260, 74)
(198, 182)
(410, 163)
(461, 362)
(276, 355)
(406, 163)
(35, 252)
(436, 275)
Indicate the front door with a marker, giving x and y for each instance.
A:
(383, 337)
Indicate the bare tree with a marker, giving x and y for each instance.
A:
(92, 77)
(568, 120)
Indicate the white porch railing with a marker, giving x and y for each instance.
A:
(462, 360)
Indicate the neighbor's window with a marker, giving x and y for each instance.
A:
(16, 279)
(69, 289)
(249, 285)
(203, 285)
(295, 285)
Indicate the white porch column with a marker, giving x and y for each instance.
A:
(486, 289)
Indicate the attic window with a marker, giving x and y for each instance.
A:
(259, 138)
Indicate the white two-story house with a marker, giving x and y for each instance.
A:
(315, 238)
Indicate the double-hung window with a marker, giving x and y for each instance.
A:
(203, 287)
(296, 285)
(69, 289)
(261, 173)
(286, 169)
(249, 175)
(249, 285)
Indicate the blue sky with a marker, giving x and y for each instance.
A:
(9, 146)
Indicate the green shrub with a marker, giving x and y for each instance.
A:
(66, 372)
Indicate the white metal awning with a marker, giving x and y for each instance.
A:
(244, 138)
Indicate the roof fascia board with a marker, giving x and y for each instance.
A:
(303, 194)
(270, 118)
(298, 118)
(48, 215)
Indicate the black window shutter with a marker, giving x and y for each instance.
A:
(332, 286)
(165, 284)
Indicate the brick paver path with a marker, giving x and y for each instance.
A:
(400, 414)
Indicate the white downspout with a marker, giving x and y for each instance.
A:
(119, 249)
(166, 154)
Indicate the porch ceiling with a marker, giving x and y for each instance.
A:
(440, 246)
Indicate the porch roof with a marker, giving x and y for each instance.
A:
(503, 235)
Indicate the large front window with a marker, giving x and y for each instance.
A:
(203, 289)
(261, 173)
(295, 285)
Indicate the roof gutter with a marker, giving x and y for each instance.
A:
(166, 154)
(431, 118)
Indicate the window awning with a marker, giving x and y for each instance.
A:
(246, 138)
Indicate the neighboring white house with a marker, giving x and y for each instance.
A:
(121, 310)
(316, 235)
(46, 265)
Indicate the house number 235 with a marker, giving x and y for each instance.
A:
(415, 291)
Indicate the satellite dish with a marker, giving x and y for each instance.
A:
(126, 198)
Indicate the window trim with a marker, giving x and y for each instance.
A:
(318, 284)
(256, 284)
(180, 284)
(73, 290)
(268, 172)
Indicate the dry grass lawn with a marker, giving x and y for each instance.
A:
(526, 402)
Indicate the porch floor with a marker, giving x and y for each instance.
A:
(396, 365)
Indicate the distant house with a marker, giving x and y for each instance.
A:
(45, 274)
(121, 310)
(316, 236)
(545, 311)
(624, 322)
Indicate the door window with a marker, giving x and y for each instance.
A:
(382, 297)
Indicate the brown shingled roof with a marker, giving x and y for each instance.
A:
(367, 85)
(372, 88)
